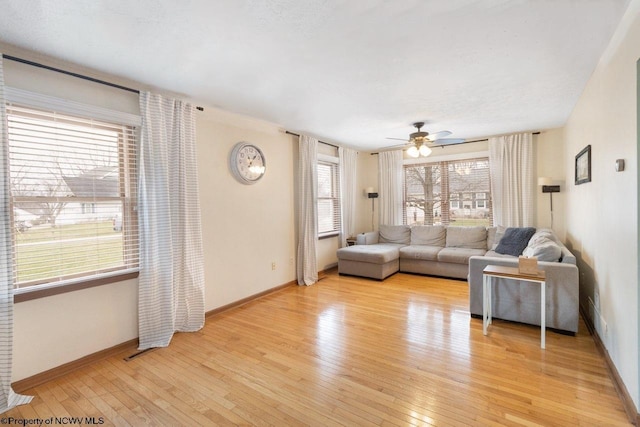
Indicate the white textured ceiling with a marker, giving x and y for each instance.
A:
(346, 71)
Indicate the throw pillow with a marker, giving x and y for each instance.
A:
(544, 249)
(515, 240)
(540, 235)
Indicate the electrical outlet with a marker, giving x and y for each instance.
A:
(291, 261)
(273, 265)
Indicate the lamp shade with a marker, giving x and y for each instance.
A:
(413, 151)
(369, 190)
(545, 180)
(424, 150)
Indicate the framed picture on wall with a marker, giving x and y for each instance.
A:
(583, 166)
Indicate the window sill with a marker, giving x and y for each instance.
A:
(328, 236)
(28, 295)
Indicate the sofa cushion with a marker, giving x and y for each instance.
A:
(497, 255)
(515, 240)
(459, 255)
(429, 253)
(544, 249)
(542, 234)
(430, 235)
(467, 237)
(395, 234)
(494, 235)
(377, 254)
(491, 236)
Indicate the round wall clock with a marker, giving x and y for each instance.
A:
(247, 163)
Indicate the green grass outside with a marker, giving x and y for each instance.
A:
(66, 256)
(46, 232)
(464, 222)
(469, 222)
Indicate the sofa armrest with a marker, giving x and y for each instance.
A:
(555, 271)
(562, 288)
(368, 238)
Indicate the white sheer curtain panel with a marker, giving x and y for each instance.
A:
(348, 168)
(171, 282)
(390, 187)
(307, 265)
(8, 399)
(512, 186)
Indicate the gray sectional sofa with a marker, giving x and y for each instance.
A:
(462, 253)
(434, 250)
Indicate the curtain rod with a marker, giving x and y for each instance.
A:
(326, 143)
(460, 143)
(80, 76)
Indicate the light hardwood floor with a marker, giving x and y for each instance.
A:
(347, 351)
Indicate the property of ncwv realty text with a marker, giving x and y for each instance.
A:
(52, 421)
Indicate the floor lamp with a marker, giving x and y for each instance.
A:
(373, 196)
(547, 187)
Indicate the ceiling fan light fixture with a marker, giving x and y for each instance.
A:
(419, 141)
(413, 151)
(424, 150)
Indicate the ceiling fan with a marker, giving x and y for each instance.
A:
(419, 141)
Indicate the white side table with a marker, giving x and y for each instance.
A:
(491, 271)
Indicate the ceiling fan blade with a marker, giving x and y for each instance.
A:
(449, 141)
(438, 135)
(398, 139)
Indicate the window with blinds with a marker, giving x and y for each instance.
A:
(328, 199)
(73, 190)
(454, 192)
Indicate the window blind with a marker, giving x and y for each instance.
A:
(328, 198)
(456, 192)
(73, 190)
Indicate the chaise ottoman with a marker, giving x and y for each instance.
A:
(377, 261)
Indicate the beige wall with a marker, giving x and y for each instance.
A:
(602, 216)
(52, 331)
(245, 228)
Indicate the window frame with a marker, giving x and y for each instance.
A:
(36, 101)
(334, 164)
(450, 198)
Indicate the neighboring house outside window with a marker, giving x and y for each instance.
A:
(88, 208)
(71, 177)
(453, 192)
(454, 202)
(328, 198)
(481, 202)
